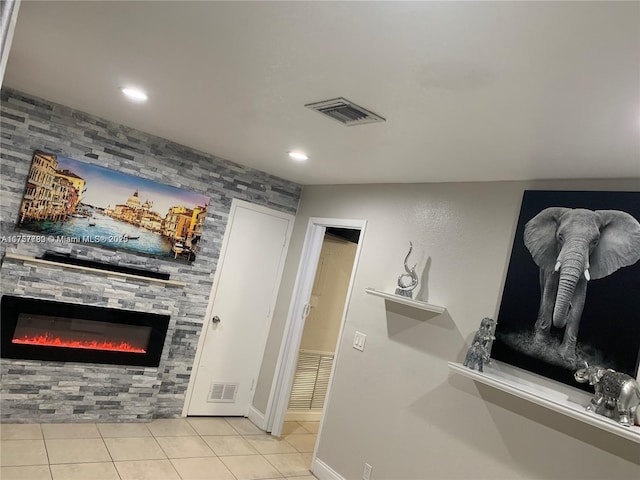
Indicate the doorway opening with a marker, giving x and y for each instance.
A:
(322, 325)
(301, 389)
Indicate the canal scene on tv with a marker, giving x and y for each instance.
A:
(71, 201)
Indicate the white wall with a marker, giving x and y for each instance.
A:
(396, 405)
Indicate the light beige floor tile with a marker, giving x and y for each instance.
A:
(210, 468)
(37, 472)
(267, 444)
(85, 471)
(303, 477)
(22, 452)
(20, 431)
(70, 430)
(243, 426)
(302, 443)
(250, 467)
(229, 445)
(80, 450)
(292, 427)
(122, 430)
(147, 470)
(171, 427)
(135, 448)
(311, 427)
(211, 426)
(184, 447)
(290, 464)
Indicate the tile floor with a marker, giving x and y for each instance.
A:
(230, 448)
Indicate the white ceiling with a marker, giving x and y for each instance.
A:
(471, 91)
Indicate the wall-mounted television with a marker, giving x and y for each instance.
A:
(68, 201)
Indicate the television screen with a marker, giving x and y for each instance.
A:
(74, 202)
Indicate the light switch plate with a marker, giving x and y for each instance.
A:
(359, 340)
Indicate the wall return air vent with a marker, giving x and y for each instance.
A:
(222, 393)
(345, 112)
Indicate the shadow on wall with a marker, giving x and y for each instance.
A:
(491, 428)
(518, 444)
(457, 421)
(424, 331)
(423, 291)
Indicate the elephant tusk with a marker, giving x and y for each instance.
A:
(586, 275)
(557, 267)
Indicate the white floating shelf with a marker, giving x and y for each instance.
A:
(405, 301)
(540, 395)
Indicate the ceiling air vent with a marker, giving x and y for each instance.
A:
(345, 112)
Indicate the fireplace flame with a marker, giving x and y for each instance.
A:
(48, 341)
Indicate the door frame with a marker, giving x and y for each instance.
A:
(206, 324)
(298, 310)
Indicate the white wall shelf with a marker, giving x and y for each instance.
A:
(556, 400)
(405, 301)
(33, 260)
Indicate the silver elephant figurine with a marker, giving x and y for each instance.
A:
(571, 247)
(478, 353)
(617, 394)
(477, 356)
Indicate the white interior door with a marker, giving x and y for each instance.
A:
(240, 310)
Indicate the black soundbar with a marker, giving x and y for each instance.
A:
(66, 258)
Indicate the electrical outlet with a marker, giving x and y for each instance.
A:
(358, 341)
(366, 473)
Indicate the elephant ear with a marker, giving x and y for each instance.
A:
(619, 244)
(540, 236)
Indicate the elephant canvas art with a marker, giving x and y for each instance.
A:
(572, 288)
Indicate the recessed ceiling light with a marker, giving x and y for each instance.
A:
(300, 156)
(135, 94)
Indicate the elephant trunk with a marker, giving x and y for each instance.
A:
(572, 268)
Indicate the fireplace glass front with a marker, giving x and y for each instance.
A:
(79, 333)
(45, 330)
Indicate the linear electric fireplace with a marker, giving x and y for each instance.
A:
(34, 329)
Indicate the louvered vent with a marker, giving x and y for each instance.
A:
(222, 393)
(311, 380)
(345, 112)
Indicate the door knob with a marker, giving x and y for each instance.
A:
(216, 319)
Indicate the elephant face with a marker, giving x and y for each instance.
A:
(589, 374)
(581, 245)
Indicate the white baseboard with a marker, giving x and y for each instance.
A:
(303, 415)
(257, 418)
(322, 471)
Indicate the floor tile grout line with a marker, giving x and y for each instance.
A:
(277, 469)
(113, 463)
(280, 471)
(200, 437)
(46, 451)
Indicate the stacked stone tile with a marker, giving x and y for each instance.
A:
(54, 391)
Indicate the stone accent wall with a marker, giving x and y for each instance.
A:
(41, 391)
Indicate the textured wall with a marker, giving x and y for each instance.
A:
(29, 124)
(396, 405)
